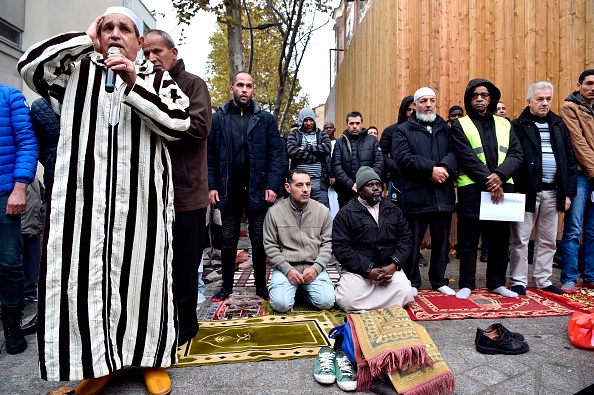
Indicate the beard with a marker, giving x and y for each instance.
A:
(426, 117)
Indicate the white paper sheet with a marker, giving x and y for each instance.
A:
(511, 209)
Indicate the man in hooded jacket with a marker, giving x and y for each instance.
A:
(391, 174)
(489, 154)
(309, 149)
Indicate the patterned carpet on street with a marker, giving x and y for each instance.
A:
(432, 305)
(245, 277)
(583, 299)
(268, 337)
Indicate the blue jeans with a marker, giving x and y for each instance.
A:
(319, 293)
(317, 193)
(580, 212)
(31, 259)
(12, 278)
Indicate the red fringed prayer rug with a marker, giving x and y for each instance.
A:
(433, 306)
(583, 299)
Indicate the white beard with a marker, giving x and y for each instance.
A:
(426, 117)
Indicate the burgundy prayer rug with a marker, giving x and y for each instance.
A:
(245, 277)
(583, 299)
(241, 305)
(432, 305)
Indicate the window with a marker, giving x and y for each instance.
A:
(10, 34)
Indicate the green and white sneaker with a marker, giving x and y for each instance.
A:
(324, 372)
(344, 372)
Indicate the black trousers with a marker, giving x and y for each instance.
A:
(439, 228)
(497, 233)
(231, 226)
(188, 243)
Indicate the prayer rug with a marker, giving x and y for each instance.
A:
(239, 305)
(255, 339)
(245, 277)
(386, 341)
(433, 306)
(583, 299)
(337, 317)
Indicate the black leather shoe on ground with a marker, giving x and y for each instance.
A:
(499, 342)
(501, 328)
(30, 327)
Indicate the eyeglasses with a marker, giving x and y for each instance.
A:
(484, 95)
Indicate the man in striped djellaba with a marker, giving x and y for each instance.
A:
(105, 289)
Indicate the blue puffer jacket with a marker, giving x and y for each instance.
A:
(18, 145)
(265, 150)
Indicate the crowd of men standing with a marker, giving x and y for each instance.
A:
(150, 150)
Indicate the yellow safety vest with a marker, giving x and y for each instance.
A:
(502, 131)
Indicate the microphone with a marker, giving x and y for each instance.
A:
(111, 75)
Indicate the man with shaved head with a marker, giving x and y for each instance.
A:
(106, 292)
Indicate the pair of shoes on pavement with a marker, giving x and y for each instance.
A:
(156, 379)
(497, 339)
(334, 366)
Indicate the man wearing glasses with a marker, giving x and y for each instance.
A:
(489, 154)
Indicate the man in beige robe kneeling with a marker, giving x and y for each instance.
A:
(371, 240)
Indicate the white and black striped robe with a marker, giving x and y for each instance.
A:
(105, 284)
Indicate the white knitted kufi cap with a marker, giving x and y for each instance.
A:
(424, 91)
(128, 13)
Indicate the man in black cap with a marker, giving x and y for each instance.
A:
(454, 113)
(489, 154)
(372, 241)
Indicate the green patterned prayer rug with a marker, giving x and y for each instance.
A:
(254, 339)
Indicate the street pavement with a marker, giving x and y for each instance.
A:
(552, 366)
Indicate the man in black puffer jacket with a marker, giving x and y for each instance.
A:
(355, 148)
(421, 149)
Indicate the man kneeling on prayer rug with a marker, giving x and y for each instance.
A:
(298, 241)
(371, 240)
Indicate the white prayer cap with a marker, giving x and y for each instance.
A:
(424, 91)
(128, 13)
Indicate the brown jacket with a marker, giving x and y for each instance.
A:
(579, 119)
(188, 155)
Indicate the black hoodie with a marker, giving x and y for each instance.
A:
(391, 172)
(469, 195)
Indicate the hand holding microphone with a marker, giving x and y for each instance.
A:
(111, 74)
(117, 63)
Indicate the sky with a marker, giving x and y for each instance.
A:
(314, 73)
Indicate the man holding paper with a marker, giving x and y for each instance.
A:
(489, 154)
(548, 178)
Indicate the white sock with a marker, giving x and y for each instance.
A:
(444, 289)
(415, 292)
(505, 292)
(464, 293)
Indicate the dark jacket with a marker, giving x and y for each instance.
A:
(310, 153)
(469, 196)
(33, 217)
(350, 153)
(47, 129)
(528, 179)
(391, 171)
(360, 244)
(265, 151)
(188, 154)
(417, 152)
